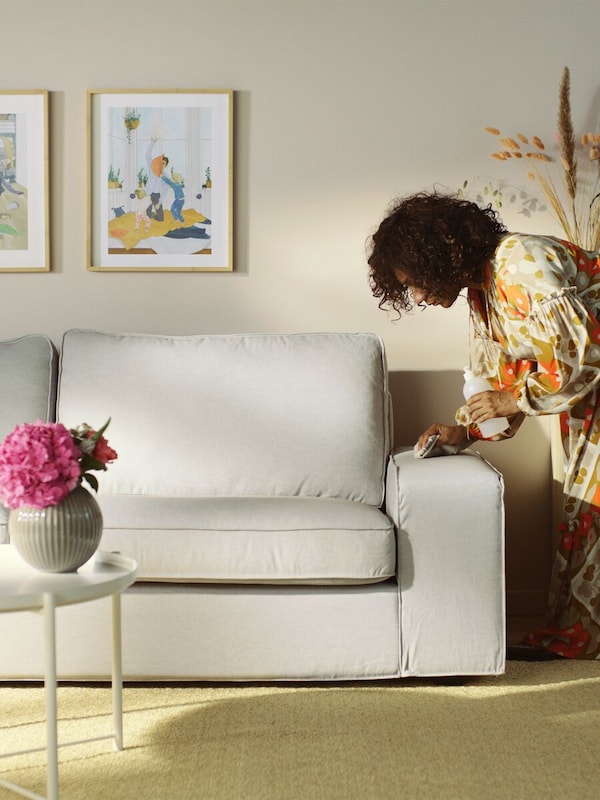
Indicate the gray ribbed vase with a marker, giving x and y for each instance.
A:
(58, 538)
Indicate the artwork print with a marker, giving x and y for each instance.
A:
(161, 180)
(23, 182)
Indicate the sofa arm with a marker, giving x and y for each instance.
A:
(449, 518)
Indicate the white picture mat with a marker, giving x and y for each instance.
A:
(32, 173)
(218, 106)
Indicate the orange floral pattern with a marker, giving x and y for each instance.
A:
(536, 332)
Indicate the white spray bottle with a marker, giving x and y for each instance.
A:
(473, 385)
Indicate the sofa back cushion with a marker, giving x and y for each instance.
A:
(233, 415)
(27, 381)
(27, 387)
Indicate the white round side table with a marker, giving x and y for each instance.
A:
(23, 588)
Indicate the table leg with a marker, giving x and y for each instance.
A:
(117, 672)
(51, 693)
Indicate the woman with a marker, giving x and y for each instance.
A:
(534, 303)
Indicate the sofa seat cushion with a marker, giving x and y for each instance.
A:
(289, 540)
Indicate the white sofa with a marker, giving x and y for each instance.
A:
(277, 538)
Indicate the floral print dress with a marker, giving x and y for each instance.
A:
(536, 331)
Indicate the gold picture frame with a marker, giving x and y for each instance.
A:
(24, 181)
(161, 180)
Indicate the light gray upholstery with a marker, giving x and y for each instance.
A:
(27, 381)
(247, 458)
(276, 537)
(27, 387)
(233, 416)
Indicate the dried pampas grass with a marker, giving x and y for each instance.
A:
(573, 198)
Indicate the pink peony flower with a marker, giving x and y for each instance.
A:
(39, 465)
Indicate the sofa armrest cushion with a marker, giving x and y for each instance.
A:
(449, 517)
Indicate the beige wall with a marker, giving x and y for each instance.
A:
(339, 107)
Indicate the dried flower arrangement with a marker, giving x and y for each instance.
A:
(573, 197)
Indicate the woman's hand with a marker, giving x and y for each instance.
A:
(489, 405)
(455, 435)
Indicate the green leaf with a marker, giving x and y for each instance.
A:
(99, 432)
(89, 462)
(91, 479)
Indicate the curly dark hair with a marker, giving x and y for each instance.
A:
(436, 240)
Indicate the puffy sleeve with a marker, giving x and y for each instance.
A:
(564, 336)
(537, 334)
(545, 297)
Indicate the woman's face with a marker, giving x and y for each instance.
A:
(444, 298)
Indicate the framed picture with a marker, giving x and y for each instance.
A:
(24, 236)
(161, 180)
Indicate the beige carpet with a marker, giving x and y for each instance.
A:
(532, 733)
